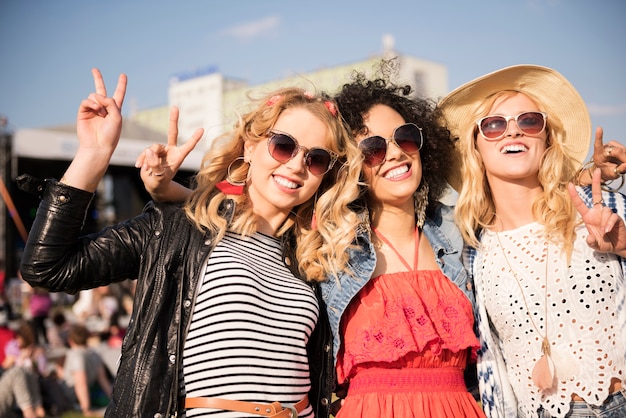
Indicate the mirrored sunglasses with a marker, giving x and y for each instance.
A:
(407, 137)
(494, 127)
(283, 147)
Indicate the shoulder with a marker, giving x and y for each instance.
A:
(440, 223)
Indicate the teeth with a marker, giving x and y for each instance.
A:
(397, 172)
(285, 183)
(513, 148)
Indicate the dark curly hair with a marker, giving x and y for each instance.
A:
(356, 98)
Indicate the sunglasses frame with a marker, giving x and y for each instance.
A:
(307, 151)
(507, 120)
(392, 139)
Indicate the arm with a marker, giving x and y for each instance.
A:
(58, 258)
(81, 389)
(103, 381)
(159, 163)
(55, 257)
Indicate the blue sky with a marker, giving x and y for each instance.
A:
(48, 47)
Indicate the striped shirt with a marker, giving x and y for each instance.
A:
(249, 328)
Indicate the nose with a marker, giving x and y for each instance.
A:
(298, 163)
(393, 150)
(512, 129)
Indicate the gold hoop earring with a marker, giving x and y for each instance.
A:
(229, 178)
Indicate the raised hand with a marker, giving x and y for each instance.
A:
(609, 157)
(159, 163)
(99, 119)
(607, 231)
(98, 126)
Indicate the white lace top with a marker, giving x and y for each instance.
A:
(586, 345)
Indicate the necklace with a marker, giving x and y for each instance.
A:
(543, 371)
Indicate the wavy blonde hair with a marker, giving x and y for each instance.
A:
(553, 208)
(319, 251)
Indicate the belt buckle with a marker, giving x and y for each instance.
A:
(294, 413)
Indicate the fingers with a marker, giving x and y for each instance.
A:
(596, 194)
(90, 106)
(611, 222)
(152, 160)
(576, 200)
(150, 156)
(140, 159)
(596, 187)
(599, 148)
(172, 134)
(188, 146)
(120, 90)
(172, 131)
(99, 82)
(617, 156)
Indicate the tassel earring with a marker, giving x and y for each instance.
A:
(420, 201)
(314, 215)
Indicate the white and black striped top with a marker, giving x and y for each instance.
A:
(249, 329)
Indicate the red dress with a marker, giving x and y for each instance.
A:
(407, 338)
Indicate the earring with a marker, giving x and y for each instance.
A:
(420, 201)
(230, 186)
(314, 215)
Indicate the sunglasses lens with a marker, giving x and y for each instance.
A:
(374, 150)
(282, 147)
(319, 161)
(493, 126)
(409, 138)
(531, 123)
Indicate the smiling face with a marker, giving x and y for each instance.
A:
(517, 155)
(394, 181)
(276, 188)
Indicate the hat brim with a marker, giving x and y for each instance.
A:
(556, 94)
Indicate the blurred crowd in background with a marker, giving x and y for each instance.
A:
(56, 348)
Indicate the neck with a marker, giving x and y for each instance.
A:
(513, 203)
(395, 222)
(270, 225)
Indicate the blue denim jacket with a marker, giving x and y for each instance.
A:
(447, 244)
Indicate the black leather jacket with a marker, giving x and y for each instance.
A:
(165, 252)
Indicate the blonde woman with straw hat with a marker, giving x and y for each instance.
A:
(547, 258)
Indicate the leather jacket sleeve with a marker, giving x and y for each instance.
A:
(58, 258)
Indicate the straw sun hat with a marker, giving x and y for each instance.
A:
(556, 95)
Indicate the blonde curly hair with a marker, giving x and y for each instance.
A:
(553, 208)
(320, 251)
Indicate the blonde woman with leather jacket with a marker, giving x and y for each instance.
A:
(224, 320)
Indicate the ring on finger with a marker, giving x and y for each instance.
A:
(158, 174)
(599, 202)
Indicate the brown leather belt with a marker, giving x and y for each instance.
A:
(273, 410)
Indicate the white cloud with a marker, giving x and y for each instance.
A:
(604, 110)
(254, 29)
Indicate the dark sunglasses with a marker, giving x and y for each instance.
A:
(283, 147)
(407, 137)
(494, 127)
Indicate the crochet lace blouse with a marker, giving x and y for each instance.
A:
(587, 346)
